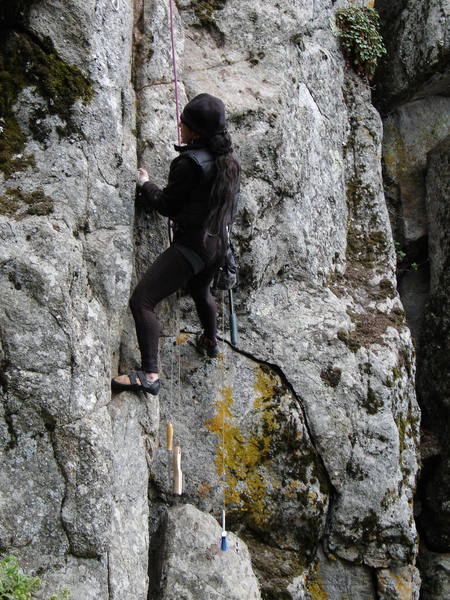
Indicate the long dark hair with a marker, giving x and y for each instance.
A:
(225, 186)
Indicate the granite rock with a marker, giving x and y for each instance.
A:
(193, 567)
(318, 397)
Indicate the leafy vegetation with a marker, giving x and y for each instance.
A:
(14, 585)
(361, 41)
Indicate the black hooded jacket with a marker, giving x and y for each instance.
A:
(186, 201)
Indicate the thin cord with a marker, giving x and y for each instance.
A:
(172, 352)
(179, 374)
(223, 408)
(174, 68)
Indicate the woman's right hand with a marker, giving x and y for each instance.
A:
(142, 177)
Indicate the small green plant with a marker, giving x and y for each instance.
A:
(14, 585)
(361, 41)
(399, 252)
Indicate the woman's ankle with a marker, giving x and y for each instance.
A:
(151, 376)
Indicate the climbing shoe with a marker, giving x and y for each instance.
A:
(206, 346)
(138, 383)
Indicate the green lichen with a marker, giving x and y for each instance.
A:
(396, 373)
(387, 288)
(25, 62)
(402, 425)
(17, 204)
(364, 248)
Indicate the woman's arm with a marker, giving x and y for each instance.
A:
(183, 177)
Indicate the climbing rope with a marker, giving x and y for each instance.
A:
(174, 68)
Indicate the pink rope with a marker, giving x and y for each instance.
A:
(174, 67)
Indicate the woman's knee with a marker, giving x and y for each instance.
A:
(138, 302)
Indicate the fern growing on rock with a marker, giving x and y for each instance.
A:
(361, 41)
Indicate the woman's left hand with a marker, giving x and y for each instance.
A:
(142, 177)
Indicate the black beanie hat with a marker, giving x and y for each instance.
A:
(205, 114)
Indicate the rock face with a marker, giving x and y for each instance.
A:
(434, 373)
(417, 36)
(414, 88)
(192, 565)
(309, 426)
(410, 133)
(436, 575)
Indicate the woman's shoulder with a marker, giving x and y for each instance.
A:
(198, 159)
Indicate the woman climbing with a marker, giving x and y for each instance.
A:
(199, 199)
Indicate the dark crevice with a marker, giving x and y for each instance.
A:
(13, 435)
(426, 310)
(108, 565)
(14, 13)
(157, 554)
(413, 282)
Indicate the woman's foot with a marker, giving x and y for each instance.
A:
(204, 344)
(138, 382)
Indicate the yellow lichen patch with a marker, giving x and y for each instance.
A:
(182, 338)
(290, 491)
(237, 460)
(243, 459)
(314, 585)
(313, 497)
(404, 588)
(370, 4)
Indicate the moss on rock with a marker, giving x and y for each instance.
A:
(204, 10)
(17, 204)
(25, 62)
(331, 376)
(373, 402)
(350, 339)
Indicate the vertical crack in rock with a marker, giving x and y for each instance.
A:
(110, 592)
(9, 419)
(50, 426)
(299, 400)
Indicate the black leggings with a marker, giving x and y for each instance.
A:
(170, 272)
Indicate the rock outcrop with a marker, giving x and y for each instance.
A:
(312, 414)
(413, 89)
(417, 37)
(191, 564)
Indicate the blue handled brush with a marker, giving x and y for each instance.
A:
(223, 541)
